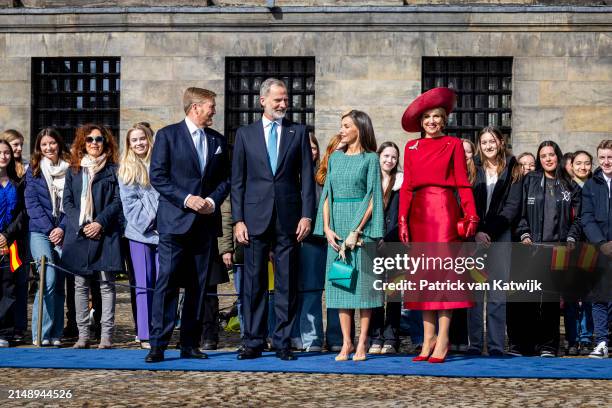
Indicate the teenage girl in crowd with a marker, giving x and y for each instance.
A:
(498, 202)
(550, 213)
(44, 196)
(139, 200)
(12, 228)
(385, 325)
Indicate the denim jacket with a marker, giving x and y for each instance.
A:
(140, 210)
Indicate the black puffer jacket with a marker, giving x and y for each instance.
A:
(532, 215)
(505, 206)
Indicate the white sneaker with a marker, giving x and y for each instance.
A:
(313, 349)
(4, 343)
(601, 351)
(375, 349)
(388, 349)
(56, 342)
(46, 342)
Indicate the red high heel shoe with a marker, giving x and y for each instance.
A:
(439, 360)
(425, 358)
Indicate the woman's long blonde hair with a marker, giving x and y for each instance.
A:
(471, 166)
(134, 169)
(10, 135)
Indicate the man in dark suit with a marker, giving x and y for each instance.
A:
(190, 170)
(273, 194)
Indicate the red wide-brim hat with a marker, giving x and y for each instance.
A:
(434, 98)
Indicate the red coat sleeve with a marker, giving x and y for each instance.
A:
(405, 195)
(464, 188)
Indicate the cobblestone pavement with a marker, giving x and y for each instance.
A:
(197, 389)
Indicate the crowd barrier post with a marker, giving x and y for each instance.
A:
(41, 293)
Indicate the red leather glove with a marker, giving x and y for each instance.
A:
(402, 227)
(466, 227)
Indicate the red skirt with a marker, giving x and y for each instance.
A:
(433, 217)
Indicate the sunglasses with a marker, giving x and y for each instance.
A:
(97, 139)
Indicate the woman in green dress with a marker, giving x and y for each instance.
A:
(351, 212)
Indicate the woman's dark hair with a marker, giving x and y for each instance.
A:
(315, 142)
(37, 156)
(560, 172)
(567, 157)
(362, 121)
(389, 189)
(11, 171)
(78, 147)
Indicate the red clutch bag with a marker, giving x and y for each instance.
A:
(463, 226)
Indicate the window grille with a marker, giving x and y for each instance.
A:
(244, 76)
(69, 92)
(484, 92)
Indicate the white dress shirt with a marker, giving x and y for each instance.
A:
(193, 131)
(279, 130)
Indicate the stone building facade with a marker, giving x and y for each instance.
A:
(368, 55)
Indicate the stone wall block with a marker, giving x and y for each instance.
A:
(158, 117)
(202, 68)
(525, 93)
(589, 119)
(235, 45)
(517, 44)
(534, 68)
(16, 117)
(557, 93)
(146, 68)
(604, 45)
(15, 69)
(171, 44)
(532, 119)
(590, 69)
(394, 68)
(130, 44)
(568, 44)
(15, 93)
(295, 44)
(147, 93)
(2, 45)
(25, 45)
(342, 68)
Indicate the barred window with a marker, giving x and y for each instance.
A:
(484, 92)
(69, 92)
(244, 77)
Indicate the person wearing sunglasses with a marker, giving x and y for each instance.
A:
(93, 214)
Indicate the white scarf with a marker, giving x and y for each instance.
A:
(55, 176)
(90, 166)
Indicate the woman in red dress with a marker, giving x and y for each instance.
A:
(428, 209)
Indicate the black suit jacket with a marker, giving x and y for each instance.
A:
(256, 192)
(175, 173)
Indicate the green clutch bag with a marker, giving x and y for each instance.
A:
(341, 274)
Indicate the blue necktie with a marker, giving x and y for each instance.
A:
(272, 152)
(199, 144)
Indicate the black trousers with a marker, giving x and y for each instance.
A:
(384, 327)
(7, 299)
(184, 260)
(534, 327)
(255, 285)
(210, 320)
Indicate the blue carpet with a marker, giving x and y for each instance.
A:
(456, 366)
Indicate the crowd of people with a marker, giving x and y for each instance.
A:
(176, 213)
